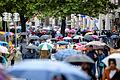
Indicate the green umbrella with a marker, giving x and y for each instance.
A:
(45, 46)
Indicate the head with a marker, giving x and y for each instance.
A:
(59, 77)
(85, 66)
(112, 63)
(90, 47)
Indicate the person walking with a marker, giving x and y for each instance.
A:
(111, 72)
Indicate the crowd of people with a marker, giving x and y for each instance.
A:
(110, 38)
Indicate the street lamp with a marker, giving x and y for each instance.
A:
(8, 17)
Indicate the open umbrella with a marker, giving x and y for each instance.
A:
(115, 36)
(3, 43)
(45, 46)
(45, 37)
(79, 58)
(34, 37)
(89, 33)
(62, 43)
(3, 49)
(9, 34)
(78, 37)
(96, 43)
(45, 70)
(62, 54)
(31, 47)
(88, 38)
(67, 38)
(112, 56)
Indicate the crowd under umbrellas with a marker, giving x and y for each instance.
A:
(73, 57)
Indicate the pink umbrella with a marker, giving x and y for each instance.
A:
(82, 47)
(95, 36)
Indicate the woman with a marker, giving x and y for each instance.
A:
(111, 72)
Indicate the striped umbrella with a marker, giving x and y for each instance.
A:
(45, 46)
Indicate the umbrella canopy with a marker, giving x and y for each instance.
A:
(67, 38)
(34, 37)
(79, 58)
(62, 54)
(112, 56)
(23, 33)
(45, 46)
(115, 36)
(3, 43)
(89, 33)
(45, 37)
(62, 43)
(45, 70)
(83, 43)
(31, 47)
(3, 49)
(96, 43)
(9, 34)
(88, 38)
(82, 47)
(95, 36)
(77, 37)
(1, 32)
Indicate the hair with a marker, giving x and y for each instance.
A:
(113, 60)
(91, 46)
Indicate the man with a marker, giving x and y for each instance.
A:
(92, 54)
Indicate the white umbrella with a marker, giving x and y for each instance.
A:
(3, 49)
(45, 70)
(96, 43)
(112, 56)
(67, 38)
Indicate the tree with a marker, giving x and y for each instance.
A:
(65, 8)
(26, 8)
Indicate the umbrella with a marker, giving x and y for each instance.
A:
(89, 33)
(58, 34)
(95, 36)
(2, 32)
(23, 33)
(9, 34)
(114, 36)
(67, 38)
(79, 58)
(102, 36)
(34, 37)
(3, 43)
(45, 37)
(82, 47)
(62, 43)
(112, 56)
(83, 43)
(3, 49)
(88, 38)
(45, 46)
(77, 37)
(62, 54)
(45, 70)
(31, 47)
(96, 43)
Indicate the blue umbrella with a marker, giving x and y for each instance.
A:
(3, 43)
(62, 54)
(115, 36)
(59, 34)
(62, 43)
(45, 70)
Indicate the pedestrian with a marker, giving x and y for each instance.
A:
(111, 72)
(100, 64)
(93, 55)
(86, 67)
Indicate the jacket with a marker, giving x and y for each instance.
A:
(106, 74)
